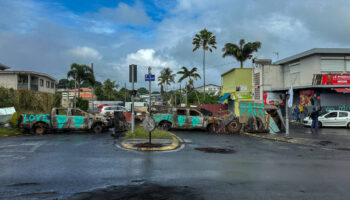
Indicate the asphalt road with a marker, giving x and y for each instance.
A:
(82, 166)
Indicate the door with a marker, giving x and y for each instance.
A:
(195, 119)
(60, 119)
(330, 119)
(181, 118)
(78, 119)
(343, 118)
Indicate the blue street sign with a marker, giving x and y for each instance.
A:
(150, 77)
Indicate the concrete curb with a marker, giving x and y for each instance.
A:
(175, 144)
(267, 137)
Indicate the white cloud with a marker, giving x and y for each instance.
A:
(85, 52)
(148, 57)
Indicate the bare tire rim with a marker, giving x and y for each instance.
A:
(39, 130)
(98, 129)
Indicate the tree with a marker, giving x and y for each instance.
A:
(109, 88)
(190, 74)
(207, 41)
(80, 73)
(142, 90)
(241, 52)
(166, 78)
(63, 83)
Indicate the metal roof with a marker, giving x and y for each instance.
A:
(312, 52)
(27, 72)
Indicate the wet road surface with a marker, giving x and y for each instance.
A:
(65, 166)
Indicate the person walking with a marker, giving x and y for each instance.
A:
(297, 114)
(301, 109)
(314, 116)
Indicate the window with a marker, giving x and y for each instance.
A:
(76, 112)
(41, 82)
(194, 113)
(48, 84)
(52, 84)
(331, 115)
(181, 112)
(343, 114)
(108, 108)
(61, 112)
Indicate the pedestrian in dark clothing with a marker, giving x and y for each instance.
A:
(297, 113)
(314, 116)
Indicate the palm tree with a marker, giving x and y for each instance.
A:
(207, 41)
(81, 73)
(190, 74)
(241, 52)
(108, 88)
(166, 77)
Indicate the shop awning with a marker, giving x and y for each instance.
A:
(224, 97)
(343, 90)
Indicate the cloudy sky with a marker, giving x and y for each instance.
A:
(48, 35)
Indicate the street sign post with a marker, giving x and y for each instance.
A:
(132, 79)
(150, 77)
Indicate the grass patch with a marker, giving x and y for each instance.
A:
(8, 131)
(140, 133)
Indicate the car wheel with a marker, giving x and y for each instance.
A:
(165, 126)
(39, 129)
(234, 126)
(319, 125)
(348, 125)
(97, 128)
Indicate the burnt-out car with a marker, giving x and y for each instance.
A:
(186, 118)
(64, 119)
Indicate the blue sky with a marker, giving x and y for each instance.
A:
(48, 35)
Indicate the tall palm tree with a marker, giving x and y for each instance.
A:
(242, 51)
(207, 41)
(81, 73)
(166, 77)
(190, 74)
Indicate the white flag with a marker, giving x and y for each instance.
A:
(290, 100)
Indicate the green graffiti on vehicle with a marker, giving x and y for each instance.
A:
(61, 119)
(161, 117)
(39, 117)
(78, 121)
(181, 120)
(195, 121)
(251, 110)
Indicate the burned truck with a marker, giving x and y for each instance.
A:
(64, 119)
(185, 118)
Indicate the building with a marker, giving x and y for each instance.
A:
(28, 80)
(68, 96)
(319, 77)
(210, 89)
(236, 84)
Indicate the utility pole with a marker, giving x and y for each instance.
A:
(132, 79)
(124, 94)
(92, 90)
(149, 85)
(287, 115)
(75, 90)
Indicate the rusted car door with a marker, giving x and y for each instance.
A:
(78, 119)
(180, 118)
(59, 118)
(195, 119)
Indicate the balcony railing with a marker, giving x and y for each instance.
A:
(25, 86)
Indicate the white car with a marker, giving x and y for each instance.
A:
(333, 118)
(111, 109)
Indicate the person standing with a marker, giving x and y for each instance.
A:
(297, 113)
(301, 109)
(314, 116)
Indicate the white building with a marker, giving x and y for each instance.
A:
(210, 89)
(319, 77)
(27, 80)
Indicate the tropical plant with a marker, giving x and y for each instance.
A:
(166, 78)
(242, 51)
(207, 41)
(81, 73)
(190, 74)
(109, 88)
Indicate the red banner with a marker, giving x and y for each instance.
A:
(331, 79)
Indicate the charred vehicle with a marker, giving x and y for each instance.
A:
(64, 119)
(186, 118)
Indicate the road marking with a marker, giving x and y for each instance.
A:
(35, 146)
(187, 140)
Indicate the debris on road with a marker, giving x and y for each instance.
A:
(215, 150)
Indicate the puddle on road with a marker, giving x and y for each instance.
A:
(23, 184)
(324, 143)
(148, 145)
(215, 150)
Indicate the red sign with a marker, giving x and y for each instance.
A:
(331, 79)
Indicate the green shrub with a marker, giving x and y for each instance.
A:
(83, 104)
(13, 120)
